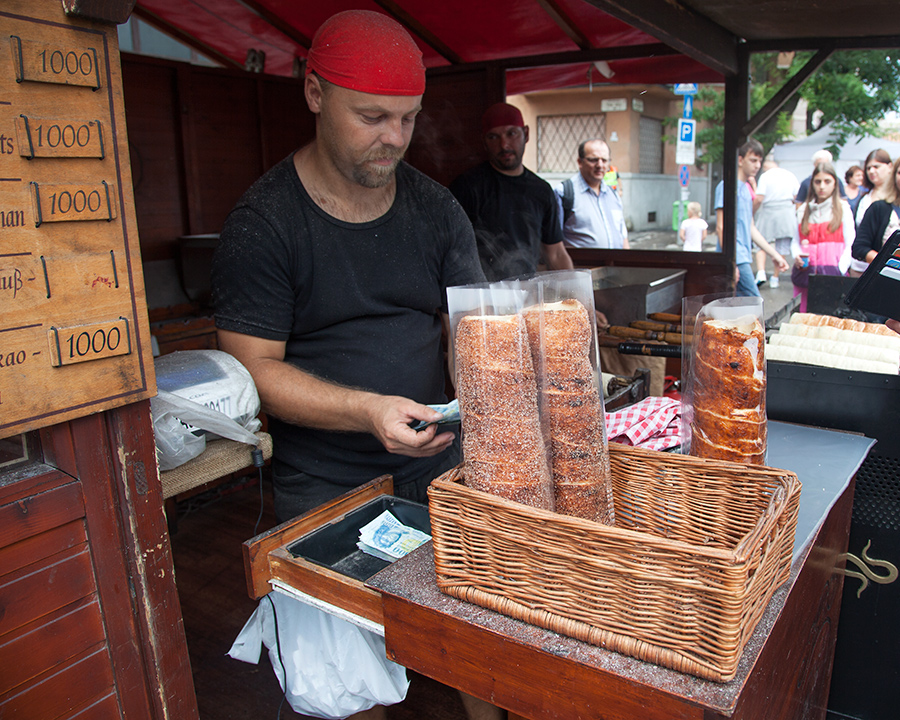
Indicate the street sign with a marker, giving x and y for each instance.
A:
(684, 176)
(688, 107)
(686, 143)
(685, 89)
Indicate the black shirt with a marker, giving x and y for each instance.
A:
(512, 217)
(356, 303)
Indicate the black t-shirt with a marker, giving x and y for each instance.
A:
(356, 303)
(512, 216)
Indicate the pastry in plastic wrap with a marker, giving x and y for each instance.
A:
(730, 391)
(503, 446)
(560, 335)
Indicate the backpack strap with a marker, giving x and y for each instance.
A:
(568, 198)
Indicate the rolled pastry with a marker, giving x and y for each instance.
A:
(503, 445)
(729, 397)
(560, 336)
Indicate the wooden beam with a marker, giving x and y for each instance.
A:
(684, 29)
(415, 27)
(111, 11)
(871, 42)
(737, 108)
(572, 58)
(189, 40)
(565, 23)
(786, 92)
(278, 23)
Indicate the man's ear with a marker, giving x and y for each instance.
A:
(525, 131)
(312, 90)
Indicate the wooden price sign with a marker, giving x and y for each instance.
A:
(74, 335)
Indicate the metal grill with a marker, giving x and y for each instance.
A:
(559, 137)
(877, 500)
(651, 146)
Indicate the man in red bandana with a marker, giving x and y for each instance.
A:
(514, 212)
(330, 280)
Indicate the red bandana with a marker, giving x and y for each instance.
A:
(501, 115)
(369, 52)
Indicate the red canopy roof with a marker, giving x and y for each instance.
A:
(546, 43)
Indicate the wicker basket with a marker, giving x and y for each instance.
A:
(698, 549)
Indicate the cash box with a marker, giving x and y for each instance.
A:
(317, 554)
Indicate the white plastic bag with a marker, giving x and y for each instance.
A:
(333, 667)
(202, 393)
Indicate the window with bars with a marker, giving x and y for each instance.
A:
(651, 146)
(559, 136)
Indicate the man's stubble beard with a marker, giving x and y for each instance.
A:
(376, 176)
(358, 170)
(510, 163)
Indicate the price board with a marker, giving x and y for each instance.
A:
(74, 334)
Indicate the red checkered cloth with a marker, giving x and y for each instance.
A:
(653, 423)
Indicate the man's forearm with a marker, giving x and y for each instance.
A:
(300, 398)
(557, 257)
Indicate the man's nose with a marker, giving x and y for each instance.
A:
(392, 133)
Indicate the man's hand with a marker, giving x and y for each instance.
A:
(893, 325)
(602, 322)
(389, 421)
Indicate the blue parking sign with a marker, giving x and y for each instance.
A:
(686, 131)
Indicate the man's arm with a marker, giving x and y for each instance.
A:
(757, 201)
(297, 397)
(557, 258)
(763, 245)
(720, 223)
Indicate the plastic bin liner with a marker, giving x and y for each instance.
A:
(327, 667)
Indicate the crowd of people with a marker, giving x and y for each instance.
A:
(827, 224)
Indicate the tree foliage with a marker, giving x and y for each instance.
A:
(852, 90)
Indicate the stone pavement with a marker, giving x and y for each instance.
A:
(776, 300)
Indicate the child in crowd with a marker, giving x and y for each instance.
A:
(693, 229)
(826, 232)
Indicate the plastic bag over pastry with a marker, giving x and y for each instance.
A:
(724, 383)
(503, 446)
(562, 333)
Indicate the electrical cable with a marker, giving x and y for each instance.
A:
(278, 650)
(259, 461)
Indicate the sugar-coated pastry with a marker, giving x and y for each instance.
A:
(729, 391)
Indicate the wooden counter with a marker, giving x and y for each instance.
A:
(783, 674)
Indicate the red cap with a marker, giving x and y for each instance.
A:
(501, 115)
(369, 52)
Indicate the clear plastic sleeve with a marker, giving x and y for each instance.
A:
(503, 446)
(724, 379)
(528, 370)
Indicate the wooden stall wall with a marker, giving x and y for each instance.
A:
(91, 622)
(199, 137)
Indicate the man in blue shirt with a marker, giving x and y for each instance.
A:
(750, 156)
(590, 210)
